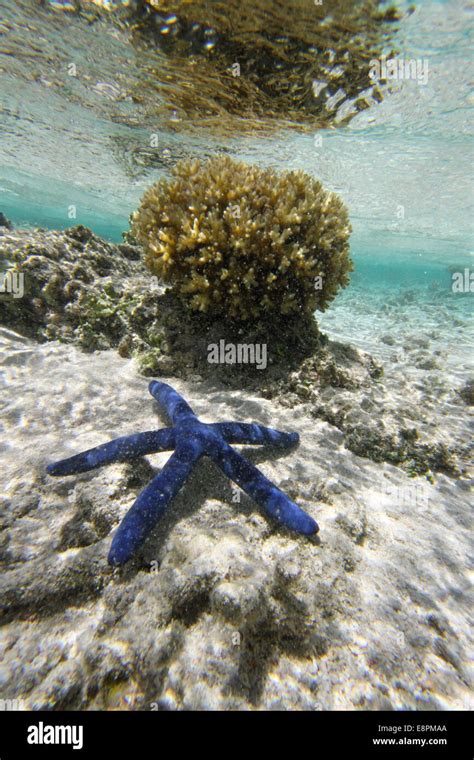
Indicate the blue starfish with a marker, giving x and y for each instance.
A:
(190, 439)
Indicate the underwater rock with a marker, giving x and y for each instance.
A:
(467, 392)
(83, 290)
(220, 609)
(4, 222)
(77, 287)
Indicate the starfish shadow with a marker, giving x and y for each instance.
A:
(205, 483)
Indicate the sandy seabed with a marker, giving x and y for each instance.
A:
(223, 609)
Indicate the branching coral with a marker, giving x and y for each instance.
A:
(241, 241)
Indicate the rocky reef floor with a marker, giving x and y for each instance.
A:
(222, 609)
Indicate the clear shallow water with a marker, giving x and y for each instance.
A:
(83, 141)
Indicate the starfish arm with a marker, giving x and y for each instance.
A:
(119, 450)
(243, 432)
(274, 501)
(169, 400)
(152, 502)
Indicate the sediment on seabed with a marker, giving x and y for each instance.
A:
(222, 609)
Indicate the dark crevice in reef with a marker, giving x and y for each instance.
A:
(257, 654)
(467, 392)
(189, 610)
